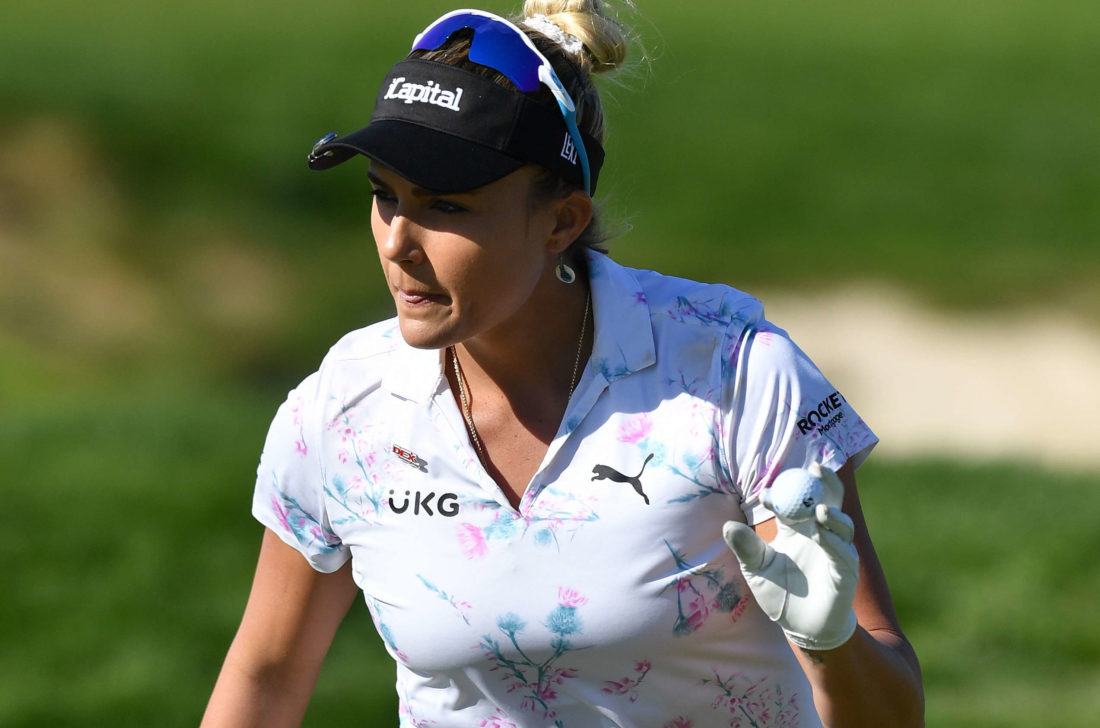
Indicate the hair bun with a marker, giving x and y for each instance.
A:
(602, 39)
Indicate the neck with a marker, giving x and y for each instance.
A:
(533, 361)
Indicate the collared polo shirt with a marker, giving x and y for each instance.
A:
(608, 597)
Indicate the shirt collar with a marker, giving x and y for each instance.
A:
(624, 332)
(413, 374)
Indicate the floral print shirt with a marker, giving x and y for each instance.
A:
(608, 597)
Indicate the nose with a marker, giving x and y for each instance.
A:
(402, 241)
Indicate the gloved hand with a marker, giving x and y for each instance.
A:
(805, 579)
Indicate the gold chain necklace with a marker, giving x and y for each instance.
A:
(466, 401)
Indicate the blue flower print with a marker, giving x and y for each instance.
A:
(461, 607)
(510, 624)
(564, 621)
(537, 680)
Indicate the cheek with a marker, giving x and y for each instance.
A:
(505, 283)
(517, 262)
(379, 228)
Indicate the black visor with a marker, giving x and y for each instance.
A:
(450, 130)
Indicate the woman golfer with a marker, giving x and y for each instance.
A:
(549, 474)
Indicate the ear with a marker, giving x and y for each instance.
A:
(571, 216)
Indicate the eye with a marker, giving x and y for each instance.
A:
(447, 207)
(382, 196)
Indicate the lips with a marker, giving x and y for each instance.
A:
(416, 297)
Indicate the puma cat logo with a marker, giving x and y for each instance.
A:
(606, 472)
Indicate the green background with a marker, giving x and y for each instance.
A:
(169, 268)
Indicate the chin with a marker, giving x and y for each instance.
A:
(419, 336)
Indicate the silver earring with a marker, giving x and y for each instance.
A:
(564, 273)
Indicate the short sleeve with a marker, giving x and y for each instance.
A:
(783, 413)
(290, 482)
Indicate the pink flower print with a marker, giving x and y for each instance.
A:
(755, 702)
(570, 597)
(497, 720)
(302, 524)
(563, 674)
(635, 429)
(301, 448)
(472, 541)
(739, 609)
(678, 722)
(700, 594)
(530, 704)
(343, 456)
(694, 620)
(629, 685)
(559, 511)
(281, 513)
(695, 612)
(624, 687)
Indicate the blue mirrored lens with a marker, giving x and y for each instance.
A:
(495, 45)
(500, 45)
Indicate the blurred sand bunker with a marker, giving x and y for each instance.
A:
(1022, 387)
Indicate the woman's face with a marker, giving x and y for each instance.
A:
(462, 265)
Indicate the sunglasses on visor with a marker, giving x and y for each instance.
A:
(499, 44)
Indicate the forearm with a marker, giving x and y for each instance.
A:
(248, 694)
(871, 680)
(272, 666)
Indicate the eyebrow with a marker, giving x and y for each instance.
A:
(417, 191)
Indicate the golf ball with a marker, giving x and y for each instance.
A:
(794, 494)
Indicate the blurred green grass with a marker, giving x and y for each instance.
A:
(132, 554)
(169, 268)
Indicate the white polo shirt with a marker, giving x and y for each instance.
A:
(609, 597)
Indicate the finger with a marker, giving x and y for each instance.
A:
(843, 557)
(834, 487)
(835, 520)
(749, 548)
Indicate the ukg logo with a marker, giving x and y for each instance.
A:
(446, 505)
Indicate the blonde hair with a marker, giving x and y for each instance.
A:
(604, 45)
(604, 37)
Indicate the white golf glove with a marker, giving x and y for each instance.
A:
(805, 580)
